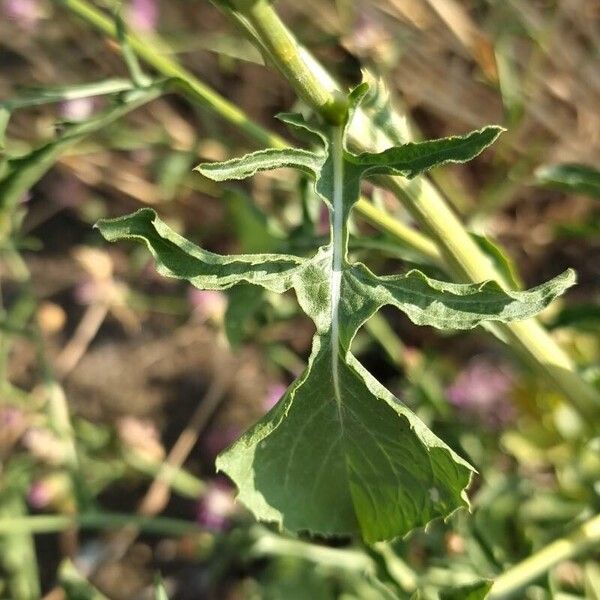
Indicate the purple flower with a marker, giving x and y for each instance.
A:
(216, 506)
(482, 390)
(143, 14)
(25, 13)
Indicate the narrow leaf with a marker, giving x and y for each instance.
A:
(263, 160)
(571, 178)
(415, 157)
(453, 305)
(177, 257)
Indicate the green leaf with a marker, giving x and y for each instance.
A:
(339, 454)
(415, 157)
(244, 302)
(453, 305)
(571, 178)
(177, 257)
(263, 160)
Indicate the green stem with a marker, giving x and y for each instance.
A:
(55, 523)
(180, 481)
(513, 580)
(426, 204)
(190, 85)
(279, 42)
(411, 237)
(72, 92)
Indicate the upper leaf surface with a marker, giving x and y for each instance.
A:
(441, 304)
(415, 157)
(177, 257)
(263, 160)
(357, 462)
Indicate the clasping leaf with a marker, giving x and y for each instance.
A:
(339, 454)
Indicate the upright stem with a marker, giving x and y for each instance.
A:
(339, 244)
(279, 42)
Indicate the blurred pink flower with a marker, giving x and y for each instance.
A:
(76, 109)
(216, 506)
(143, 14)
(53, 489)
(25, 13)
(482, 390)
(208, 304)
(274, 392)
(39, 494)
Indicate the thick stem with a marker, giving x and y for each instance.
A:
(513, 580)
(280, 43)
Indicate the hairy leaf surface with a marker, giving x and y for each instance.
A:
(339, 454)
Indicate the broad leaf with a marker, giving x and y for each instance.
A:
(339, 454)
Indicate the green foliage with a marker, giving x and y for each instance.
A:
(339, 454)
(571, 178)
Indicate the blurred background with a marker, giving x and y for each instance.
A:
(107, 369)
